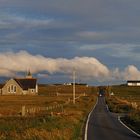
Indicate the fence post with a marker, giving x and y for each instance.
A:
(68, 100)
(62, 108)
(23, 111)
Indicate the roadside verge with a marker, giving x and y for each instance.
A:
(119, 115)
(119, 119)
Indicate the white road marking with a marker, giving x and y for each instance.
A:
(86, 128)
(128, 127)
(107, 108)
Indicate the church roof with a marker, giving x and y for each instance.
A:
(26, 83)
(1, 86)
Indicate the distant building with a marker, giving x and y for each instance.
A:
(20, 86)
(133, 83)
(80, 84)
(112, 94)
(67, 84)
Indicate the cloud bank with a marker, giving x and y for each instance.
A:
(86, 67)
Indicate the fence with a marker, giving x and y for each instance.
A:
(35, 110)
(25, 111)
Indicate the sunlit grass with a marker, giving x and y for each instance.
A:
(122, 101)
(66, 126)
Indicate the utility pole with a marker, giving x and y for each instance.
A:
(73, 86)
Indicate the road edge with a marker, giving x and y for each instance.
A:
(119, 119)
(86, 127)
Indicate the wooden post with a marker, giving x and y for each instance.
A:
(62, 108)
(51, 113)
(74, 87)
(23, 111)
(68, 100)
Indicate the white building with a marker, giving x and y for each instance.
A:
(133, 83)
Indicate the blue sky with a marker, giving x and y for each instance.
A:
(105, 30)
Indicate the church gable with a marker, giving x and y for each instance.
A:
(11, 87)
(20, 86)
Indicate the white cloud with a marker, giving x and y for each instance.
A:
(86, 67)
(131, 73)
(6, 73)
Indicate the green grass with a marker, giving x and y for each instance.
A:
(132, 93)
(121, 103)
(77, 131)
(116, 106)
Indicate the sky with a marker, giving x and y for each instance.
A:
(99, 39)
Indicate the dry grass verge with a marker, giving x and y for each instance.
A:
(65, 126)
(126, 100)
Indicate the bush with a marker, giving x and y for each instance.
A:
(117, 107)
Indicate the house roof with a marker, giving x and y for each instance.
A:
(133, 81)
(1, 86)
(26, 83)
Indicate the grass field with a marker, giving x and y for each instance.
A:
(64, 126)
(131, 94)
(64, 89)
(126, 100)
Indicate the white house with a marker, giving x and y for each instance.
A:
(133, 83)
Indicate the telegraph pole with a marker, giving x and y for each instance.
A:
(73, 86)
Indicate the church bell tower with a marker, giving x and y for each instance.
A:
(29, 75)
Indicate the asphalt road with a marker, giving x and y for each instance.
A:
(104, 125)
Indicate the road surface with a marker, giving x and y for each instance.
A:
(104, 125)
